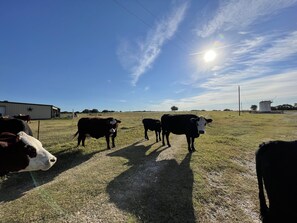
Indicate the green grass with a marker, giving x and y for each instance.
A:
(217, 183)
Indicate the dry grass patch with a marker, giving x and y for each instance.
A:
(142, 181)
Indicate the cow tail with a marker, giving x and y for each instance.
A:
(263, 205)
(75, 134)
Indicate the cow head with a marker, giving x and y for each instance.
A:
(201, 123)
(39, 158)
(113, 125)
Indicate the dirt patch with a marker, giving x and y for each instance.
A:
(140, 193)
(230, 201)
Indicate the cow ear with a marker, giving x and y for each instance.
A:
(193, 120)
(20, 135)
(31, 151)
(208, 120)
(118, 121)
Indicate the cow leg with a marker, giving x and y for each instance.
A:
(193, 143)
(107, 141)
(159, 133)
(112, 141)
(189, 143)
(81, 138)
(145, 134)
(78, 140)
(163, 141)
(167, 138)
(156, 136)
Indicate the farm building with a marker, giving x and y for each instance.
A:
(265, 106)
(36, 111)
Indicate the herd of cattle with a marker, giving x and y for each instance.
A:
(276, 165)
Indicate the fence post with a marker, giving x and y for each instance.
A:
(38, 129)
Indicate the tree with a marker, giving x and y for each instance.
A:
(86, 111)
(174, 108)
(254, 107)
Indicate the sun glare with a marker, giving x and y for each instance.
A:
(209, 56)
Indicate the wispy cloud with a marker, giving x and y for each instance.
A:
(148, 50)
(280, 85)
(255, 66)
(282, 49)
(236, 14)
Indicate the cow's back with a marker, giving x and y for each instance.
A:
(276, 165)
(14, 126)
(178, 124)
(152, 124)
(95, 127)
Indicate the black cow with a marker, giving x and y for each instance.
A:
(153, 125)
(14, 126)
(188, 124)
(96, 128)
(26, 118)
(21, 152)
(276, 166)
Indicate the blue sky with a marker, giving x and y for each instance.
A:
(148, 54)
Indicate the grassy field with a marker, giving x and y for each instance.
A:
(143, 181)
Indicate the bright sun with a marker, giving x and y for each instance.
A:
(210, 56)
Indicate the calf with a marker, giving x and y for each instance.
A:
(14, 126)
(188, 124)
(96, 128)
(21, 152)
(276, 168)
(153, 125)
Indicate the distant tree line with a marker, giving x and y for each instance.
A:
(277, 108)
(87, 111)
(94, 110)
(283, 107)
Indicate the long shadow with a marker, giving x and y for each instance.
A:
(16, 184)
(153, 191)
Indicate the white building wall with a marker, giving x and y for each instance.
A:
(34, 110)
(265, 106)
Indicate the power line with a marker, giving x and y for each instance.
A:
(149, 25)
(154, 16)
(133, 14)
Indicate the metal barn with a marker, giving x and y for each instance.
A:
(36, 111)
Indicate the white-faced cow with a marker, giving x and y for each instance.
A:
(97, 128)
(14, 126)
(153, 125)
(276, 166)
(21, 152)
(188, 124)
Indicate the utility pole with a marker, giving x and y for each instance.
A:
(239, 100)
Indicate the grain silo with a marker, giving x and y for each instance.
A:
(265, 106)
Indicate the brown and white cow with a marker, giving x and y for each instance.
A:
(21, 152)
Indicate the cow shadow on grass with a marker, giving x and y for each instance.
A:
(15, 185)
(152, 190)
